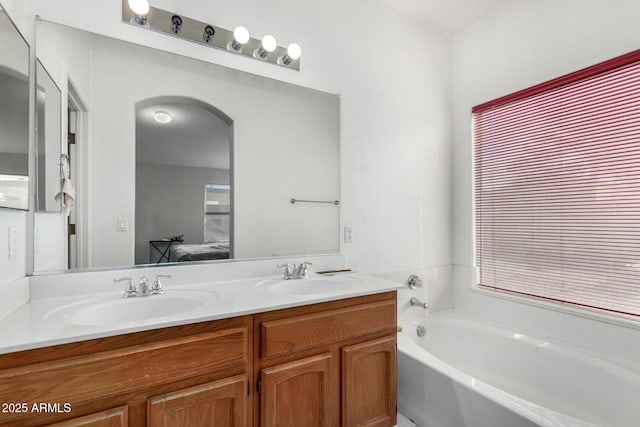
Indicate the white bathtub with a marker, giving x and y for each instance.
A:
(466, 372)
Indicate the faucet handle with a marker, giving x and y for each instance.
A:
(130, 289)
(303, 269)
(287, 271)
(156, 287)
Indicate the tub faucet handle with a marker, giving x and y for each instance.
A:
(415, 281)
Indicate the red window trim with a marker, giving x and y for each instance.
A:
(602, 67)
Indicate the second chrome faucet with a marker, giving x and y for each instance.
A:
(299, 272)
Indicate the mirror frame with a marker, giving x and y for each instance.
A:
(58, 165)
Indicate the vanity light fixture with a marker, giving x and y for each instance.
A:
(240, 37)
(238, 41)
(140, 8)
(293, 53)
(268, 45)
(176, 24)
(162, 117)
(208, 33)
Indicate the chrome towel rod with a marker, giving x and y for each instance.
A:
(334, 202)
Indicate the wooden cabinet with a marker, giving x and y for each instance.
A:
(329, 364)
(297, 393)
(134, 371)
(220, 403)
(369, 383)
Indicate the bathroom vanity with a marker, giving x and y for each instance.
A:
(325, 363)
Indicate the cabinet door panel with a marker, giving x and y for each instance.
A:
(369, 383)
(297, 393)
(217, 404)
(116, 417)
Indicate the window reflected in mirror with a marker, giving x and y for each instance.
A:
(217, 213)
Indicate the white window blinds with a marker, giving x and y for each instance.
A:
(557, 189)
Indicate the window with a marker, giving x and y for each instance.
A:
(557, 189)
(217, 212)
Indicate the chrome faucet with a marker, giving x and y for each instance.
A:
(143, 289)
(299, 272)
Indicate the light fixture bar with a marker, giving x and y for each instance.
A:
(163, 21)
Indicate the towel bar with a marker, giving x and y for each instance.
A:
(334, 202)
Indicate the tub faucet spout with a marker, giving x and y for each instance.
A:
(418, 303)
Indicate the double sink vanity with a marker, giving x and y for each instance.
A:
(257, 351)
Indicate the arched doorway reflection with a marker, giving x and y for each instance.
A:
(184, 189)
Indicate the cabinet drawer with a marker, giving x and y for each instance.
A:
(114, 372)
(281, 337)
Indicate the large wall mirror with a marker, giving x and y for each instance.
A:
(14, 116)
(180, 160)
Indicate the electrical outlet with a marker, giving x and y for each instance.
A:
(348, 234)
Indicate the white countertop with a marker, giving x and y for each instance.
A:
(33, 326)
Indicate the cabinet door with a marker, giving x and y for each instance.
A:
(220, 403)
(116, 417)
(369, 383)
(297, 394)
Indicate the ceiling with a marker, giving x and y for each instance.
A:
(450, 16)
(195, 137)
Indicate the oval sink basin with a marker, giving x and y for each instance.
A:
(311, 286)
(115, 310)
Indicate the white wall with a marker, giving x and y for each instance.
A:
(394, 77)
(525, 43)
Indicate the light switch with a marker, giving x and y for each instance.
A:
(13, 242)
(123, 224)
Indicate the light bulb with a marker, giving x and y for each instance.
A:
(294, 51)
(241, 34)
(139, 7)
(269, 43)
(162, 117)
